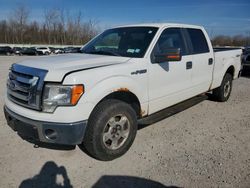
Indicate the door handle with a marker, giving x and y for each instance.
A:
(210, 61)
(189, 65)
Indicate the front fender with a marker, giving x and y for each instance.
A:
(95, 91)
(113, 84)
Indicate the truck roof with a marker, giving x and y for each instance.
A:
(161, 25)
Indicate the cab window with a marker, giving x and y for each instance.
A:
(198, 41)
(169, 39)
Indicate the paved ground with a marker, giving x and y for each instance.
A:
(207, 145)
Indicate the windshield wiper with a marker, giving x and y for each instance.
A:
(102, 52)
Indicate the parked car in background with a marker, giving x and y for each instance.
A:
(246, 61)
(52, 50)
(6, 50)
(246, 58)
(76, 50)
(17, 50)
(72, 50)
(68, 49)
(56, 50)
(43, 50)
(246, 50)
(59, 51)
(29, 51)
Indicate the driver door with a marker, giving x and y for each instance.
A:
(169, 82)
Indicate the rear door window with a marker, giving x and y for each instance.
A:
(198, 41)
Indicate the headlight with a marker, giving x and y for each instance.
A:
(55, 95)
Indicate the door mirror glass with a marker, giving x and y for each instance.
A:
(171, 54)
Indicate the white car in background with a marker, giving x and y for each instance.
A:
(59, 51)
(43, 50)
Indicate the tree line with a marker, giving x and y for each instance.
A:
(55, 27)
(58, 26)
(238, 40)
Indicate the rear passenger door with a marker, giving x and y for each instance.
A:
(202, 60)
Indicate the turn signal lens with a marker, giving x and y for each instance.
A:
(174, 57)
(77, 92)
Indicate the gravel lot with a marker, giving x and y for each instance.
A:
(207, 145)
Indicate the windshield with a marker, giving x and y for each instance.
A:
(126, 41)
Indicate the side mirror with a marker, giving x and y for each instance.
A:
(171, 54)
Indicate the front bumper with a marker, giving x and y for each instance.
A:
(46, 132)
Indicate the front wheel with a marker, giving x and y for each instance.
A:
(111, 130)
(223, 92)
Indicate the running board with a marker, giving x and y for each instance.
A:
(158, 116)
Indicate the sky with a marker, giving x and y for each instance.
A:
(219, 17)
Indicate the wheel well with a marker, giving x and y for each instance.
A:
(128, 97)
(230, 70)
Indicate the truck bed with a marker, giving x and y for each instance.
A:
(224, 57)
(220, 49)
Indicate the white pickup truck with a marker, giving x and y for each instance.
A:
(95, 99)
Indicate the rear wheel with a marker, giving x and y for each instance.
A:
(223, 92)
(111, 130)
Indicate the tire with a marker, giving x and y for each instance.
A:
(107, 137)
(223, 92)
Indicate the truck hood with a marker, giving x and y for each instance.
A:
(59, 65)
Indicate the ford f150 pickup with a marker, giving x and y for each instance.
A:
(95, 99)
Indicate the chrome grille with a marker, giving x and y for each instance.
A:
(24, 86)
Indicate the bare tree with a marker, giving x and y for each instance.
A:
(62, 26)
(248, 38)
(58, 27)
(51, 19)
(18, 21)
(222, 40)
(4, 31)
